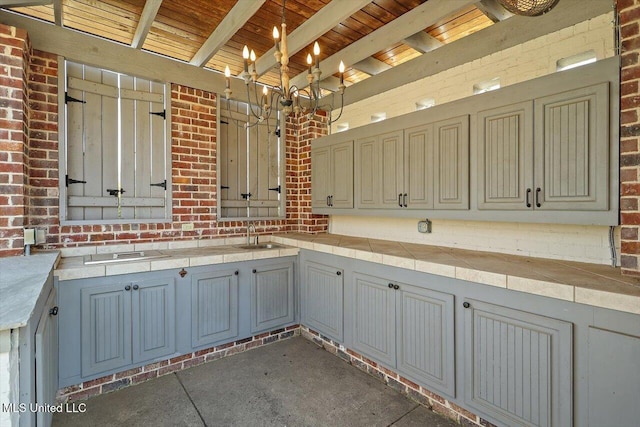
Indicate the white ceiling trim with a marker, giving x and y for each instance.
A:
(147, 17)
(233, 21)
(404, 26)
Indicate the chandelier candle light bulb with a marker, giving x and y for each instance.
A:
(245, 57)
(316, 53)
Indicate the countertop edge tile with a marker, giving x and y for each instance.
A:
(620, 302)
(541, 287)
(400, 262)
(482, 277)
(435, 268)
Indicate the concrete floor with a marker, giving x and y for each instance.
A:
(289, 383)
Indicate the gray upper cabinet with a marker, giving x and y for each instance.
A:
(214, 307)
(124, 323)
(426, 167)
(505, 160)
(518, 365)
(332, 175)
(572, 149)
(551, 153)
(272, 303)
(322, 299)
(379, 171)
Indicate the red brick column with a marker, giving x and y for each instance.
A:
(629, 16)
(302, 131)
(14, 142)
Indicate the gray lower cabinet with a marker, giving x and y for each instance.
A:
(46, 359)
(518, 365)
(406, 327)
(214, 306)
(322, 299)
(272, 296)
(124, 323)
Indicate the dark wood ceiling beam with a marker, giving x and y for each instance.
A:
(324, 20)
(493, 10)
(422, 42)
(498, 37)
(232, 22)
(147, 17)
(371, 66)
(406, 25)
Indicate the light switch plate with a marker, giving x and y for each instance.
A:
(424, 226)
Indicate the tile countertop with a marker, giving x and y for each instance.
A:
(22, 279)
(181, 254)
(591, 284)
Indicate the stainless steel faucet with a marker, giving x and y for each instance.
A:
(251, 227)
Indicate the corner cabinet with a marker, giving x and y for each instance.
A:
(406, 327)
(272, 303)
(332, 175)
(124, 323)
(550, 153)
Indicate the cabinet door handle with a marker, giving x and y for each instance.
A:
(254, 271)
(396, 287)
(390, 285)
(538, 190)
(528, 197)
(331, 200)
(404, 200)
(127, 288)
(236, 272)
(136, 287)
(53, 311)
(328, 201)
(400, 199)
(466, 304)
(339, 273)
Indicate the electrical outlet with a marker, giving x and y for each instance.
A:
(187, 227)
(424, 226)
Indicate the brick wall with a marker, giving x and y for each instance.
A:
(14, 129)
(629, 17)
(29, 90)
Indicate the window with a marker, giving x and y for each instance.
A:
(251, 164)
(486, 86)
(576, 60)
(115, 149)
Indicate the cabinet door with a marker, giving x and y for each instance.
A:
(426, 338)
(368, 180)
(518, 366)
(46, 343)
(105, 328)
(572, 149)
(341, 175)
(271, 296)
(214, 307)
(322, 300)
(419, 167)
(505, 157)
(380, 171)
(451, 154)
(374, 332)
(154, 319)
(320, 177)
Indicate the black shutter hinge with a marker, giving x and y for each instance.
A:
(277, 132)
(224, 122)
(68, 98)
(224, 187)
(278, 189)
(162, 114)
(245, 195)
(162, 184)
(68, 181)
(115, 192)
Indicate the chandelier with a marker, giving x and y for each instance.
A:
(284, 98)
(528, 7)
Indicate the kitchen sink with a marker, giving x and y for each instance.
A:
(261, 246)
(122, 257)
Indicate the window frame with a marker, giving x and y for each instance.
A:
(63, 146)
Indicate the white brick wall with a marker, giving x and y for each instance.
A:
(519, 63)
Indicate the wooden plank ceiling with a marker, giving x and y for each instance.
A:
(212, 33)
